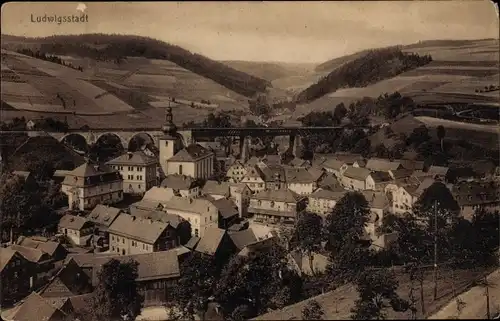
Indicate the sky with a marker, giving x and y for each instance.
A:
(298, 31)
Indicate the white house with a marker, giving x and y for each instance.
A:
(78, 229)
(358, 179)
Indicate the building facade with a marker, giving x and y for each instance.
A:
(138, 171)
(89, 185)
(78, 229)
(200, 213)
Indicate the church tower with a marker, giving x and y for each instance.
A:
(170, 143)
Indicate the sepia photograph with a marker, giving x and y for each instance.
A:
(254, 160)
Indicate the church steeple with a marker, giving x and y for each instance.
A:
(169, 127)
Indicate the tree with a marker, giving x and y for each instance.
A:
(340, 112)
(192, 292)
(345, 234)
(308, 234)
(377, 293)
(312, 311)
(116, 295)
(440, 134)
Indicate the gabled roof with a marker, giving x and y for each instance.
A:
(191, 153)
(272, 159)
(193, 241)
(171, 219)
(31, 254)
(438, 170)
(35, 307)
(6, 254)
(103, 215)
(210, 241)
(158, 194)
(73, 222)
(145, 230)
(334, 164)
(216, 188)
(226, 207)
(178, 182)
(192, 205)
(156, 265)
(327, 194)
(357, 173)
(298, 162)
(316, 172)
(91, 174)
(298, 176)
(43, 244)
(237, 188)
(424, 185)
(70, 280)
(280, 195)
(329, 181)
(376, 200)
(243, 238)
(383, 165)
(401, 173)
(138, 158)
(252, 161)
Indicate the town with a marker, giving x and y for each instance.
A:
(267, 164)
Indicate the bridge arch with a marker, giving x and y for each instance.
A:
(67, 140)
(135, 135)
(123, 142)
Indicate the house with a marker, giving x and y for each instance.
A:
(17, 275)
(380, 180)
(78, 229)
(411, 164)
(399, 174)
(157, 272)
(138, 171)
(236, 172)
(322, 201)
(182, 185)
(382, 165)
(358, 179)
(273, 175)
(330, 182)
(404, 196)
(317, 173)
(217, 243)
(240, 194)
(216, 189)
(335, 166)
(55, 249)
(254, 179)
(275, 206)
(300, 180)
(378, 204)
(228, 212)
(70, 280)
(272, 159)
(243, 238)
(181, 226)
(103, 216)
(472, 196)
(299, 162)
(438, 171)
(35, 307)
(89, 185)
(193, 160)
(197, 211)
(154, 199)
(135, 235)
(40, 259)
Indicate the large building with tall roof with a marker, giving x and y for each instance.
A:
(91, 184)
(138, 171)
(193, 160)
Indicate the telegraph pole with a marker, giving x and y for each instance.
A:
(488, 315)
(435, 250)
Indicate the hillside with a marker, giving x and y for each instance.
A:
(103, 47)
(366, 69)
(270, 70)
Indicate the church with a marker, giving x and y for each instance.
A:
(193, 160)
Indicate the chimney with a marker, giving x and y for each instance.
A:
(129, 154)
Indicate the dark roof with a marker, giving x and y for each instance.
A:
(156, 265)
(89, 174)
(401, 173)
(191, 153)
(358, 173)
(6, 255)
(40, 243)
(103, 215)
(328, 194)
(216, 188)
(281, 195)
(193, 241)
(178, 182)
(243, 238)
(70, 280)
(35, 307)
(226, 207)
(133, 159)
(137, 228)
(384, 165)
(381, 177)
(73, 222)
(31, 254)
(171, 219)
(210, 241)
(298, 175)
(438, 170)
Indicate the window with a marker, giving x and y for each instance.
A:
(272, 203)
(166, 143)
(123, 240)
(112, 238)
(113, 248)
(196, 232)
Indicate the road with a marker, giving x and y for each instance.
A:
(475, 302)
(156, 313)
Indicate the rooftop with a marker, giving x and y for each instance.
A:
(73, 222)
(191, 153)
(358, 173)
(327, 194)
(216, 188)
(138, 158)
(178, 182)
(103, 215)
(145, 230)
(281, 195)
(383, 165)
(210, 241)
